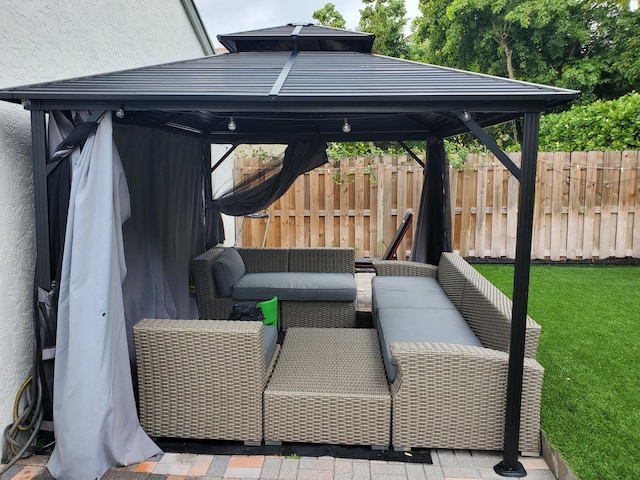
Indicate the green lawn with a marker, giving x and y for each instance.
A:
(590, 349)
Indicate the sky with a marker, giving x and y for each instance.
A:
(242, 15)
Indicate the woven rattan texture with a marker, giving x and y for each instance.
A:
(404, 269)
(340, 260)
(201, 379)
(329, 386)
(488, 312)
(318, 314)
(453, 396)
(210, 306)
(453, 274)
(259, 260)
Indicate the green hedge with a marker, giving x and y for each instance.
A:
(602, 125)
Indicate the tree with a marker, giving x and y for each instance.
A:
(573, 43)
(386, 20)
(329, 17)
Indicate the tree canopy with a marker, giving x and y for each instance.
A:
(329, 17)
(386, 20)
(588, 45)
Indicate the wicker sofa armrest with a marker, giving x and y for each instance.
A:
(454, 396)
(334, 260)
(404, 268)
(210, 372)
(210, 305)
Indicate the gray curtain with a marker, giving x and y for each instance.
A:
(433, 227)
(262, 189)
(96, 422)
(166, 228)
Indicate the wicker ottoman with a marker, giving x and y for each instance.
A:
(328, 386)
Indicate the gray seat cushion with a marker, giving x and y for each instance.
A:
(296, 286)
(270, 342)
(408, 292)
(438, 325)
(227, 270)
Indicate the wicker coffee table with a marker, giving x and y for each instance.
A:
(329, 386)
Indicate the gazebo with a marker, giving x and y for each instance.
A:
(283, 85)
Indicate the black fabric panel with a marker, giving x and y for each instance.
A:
(260, 191)
(433, 227)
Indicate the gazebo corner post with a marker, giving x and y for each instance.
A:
(41, 201)
(510, 466)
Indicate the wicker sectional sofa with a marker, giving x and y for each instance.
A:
(448, 380)
(433, 373)
(315, 286)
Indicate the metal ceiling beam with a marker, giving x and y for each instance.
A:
(224, 157)
(289, 105)
(410, 152)
(489, 143)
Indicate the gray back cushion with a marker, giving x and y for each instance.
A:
(227, 270)
(270, 343)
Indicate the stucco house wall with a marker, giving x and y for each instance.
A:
(44, 41)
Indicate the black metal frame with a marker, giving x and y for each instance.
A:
(40, 191)
(509, 467)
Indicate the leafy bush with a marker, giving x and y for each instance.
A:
(601, 125)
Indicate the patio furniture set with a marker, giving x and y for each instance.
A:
(432, 373)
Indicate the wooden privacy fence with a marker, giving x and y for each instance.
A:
(585, 206)
(355, 204)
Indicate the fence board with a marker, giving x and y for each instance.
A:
(513, 191)
(466, 225)
(401, 207)
(635, 239)
(481, 209)
(316, 237)
(384, 213)
(495, 193)
(606, 223)
(593, 159)
(374, 193)
(586, 206)
(556, 246)
(540, 202)
(329, 196)
(574, 218)
(344, 205)
(624, 198)
(298, 212)
(359, 206)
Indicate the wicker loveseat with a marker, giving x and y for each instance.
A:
(449, 389)
(315, 286)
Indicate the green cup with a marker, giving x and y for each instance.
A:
(270, 311)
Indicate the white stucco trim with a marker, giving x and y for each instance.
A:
(198, 27)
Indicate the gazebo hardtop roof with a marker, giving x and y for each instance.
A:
(297, 80)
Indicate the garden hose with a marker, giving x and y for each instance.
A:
(26, 423)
